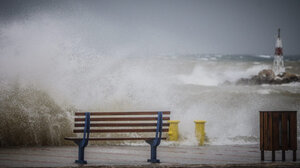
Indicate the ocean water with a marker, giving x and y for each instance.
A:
(39, 94)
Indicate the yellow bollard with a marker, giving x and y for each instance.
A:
(173, 130)
(200, 131)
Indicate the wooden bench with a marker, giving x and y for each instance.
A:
(114, 123)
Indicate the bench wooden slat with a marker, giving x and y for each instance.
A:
(120, 124)
(123, 113)
(115, 139)
(123, 119)
(118, 130)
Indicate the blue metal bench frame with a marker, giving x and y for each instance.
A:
(152, 142)
(84, 142)
(156, 141)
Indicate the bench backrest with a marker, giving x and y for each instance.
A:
(122, 122)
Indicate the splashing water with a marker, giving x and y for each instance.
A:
(30, 117)
(47, 70)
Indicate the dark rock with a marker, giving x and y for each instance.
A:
(290, 77)
(267, 76)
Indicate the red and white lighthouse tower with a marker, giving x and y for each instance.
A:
(278, 64)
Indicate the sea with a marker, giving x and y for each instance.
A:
(39, 95)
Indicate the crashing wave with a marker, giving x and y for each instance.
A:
(31, 117)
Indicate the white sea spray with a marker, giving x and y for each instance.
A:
(48, 70)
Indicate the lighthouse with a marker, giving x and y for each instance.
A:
(278, 64)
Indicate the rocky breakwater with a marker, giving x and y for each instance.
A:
(267, 76)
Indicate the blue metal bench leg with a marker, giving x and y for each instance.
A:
(153, 155)
(81, 156)
(84, 142)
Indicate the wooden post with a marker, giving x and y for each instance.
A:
(278, 131)
(283, 155)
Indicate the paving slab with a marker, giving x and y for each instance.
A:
(136, 156)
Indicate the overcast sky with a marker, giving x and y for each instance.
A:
(170, 26)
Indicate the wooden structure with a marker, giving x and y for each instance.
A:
(278, 131)
(130, 123)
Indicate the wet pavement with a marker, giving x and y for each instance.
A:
(136, 156)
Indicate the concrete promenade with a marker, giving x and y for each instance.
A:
(136, 156)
